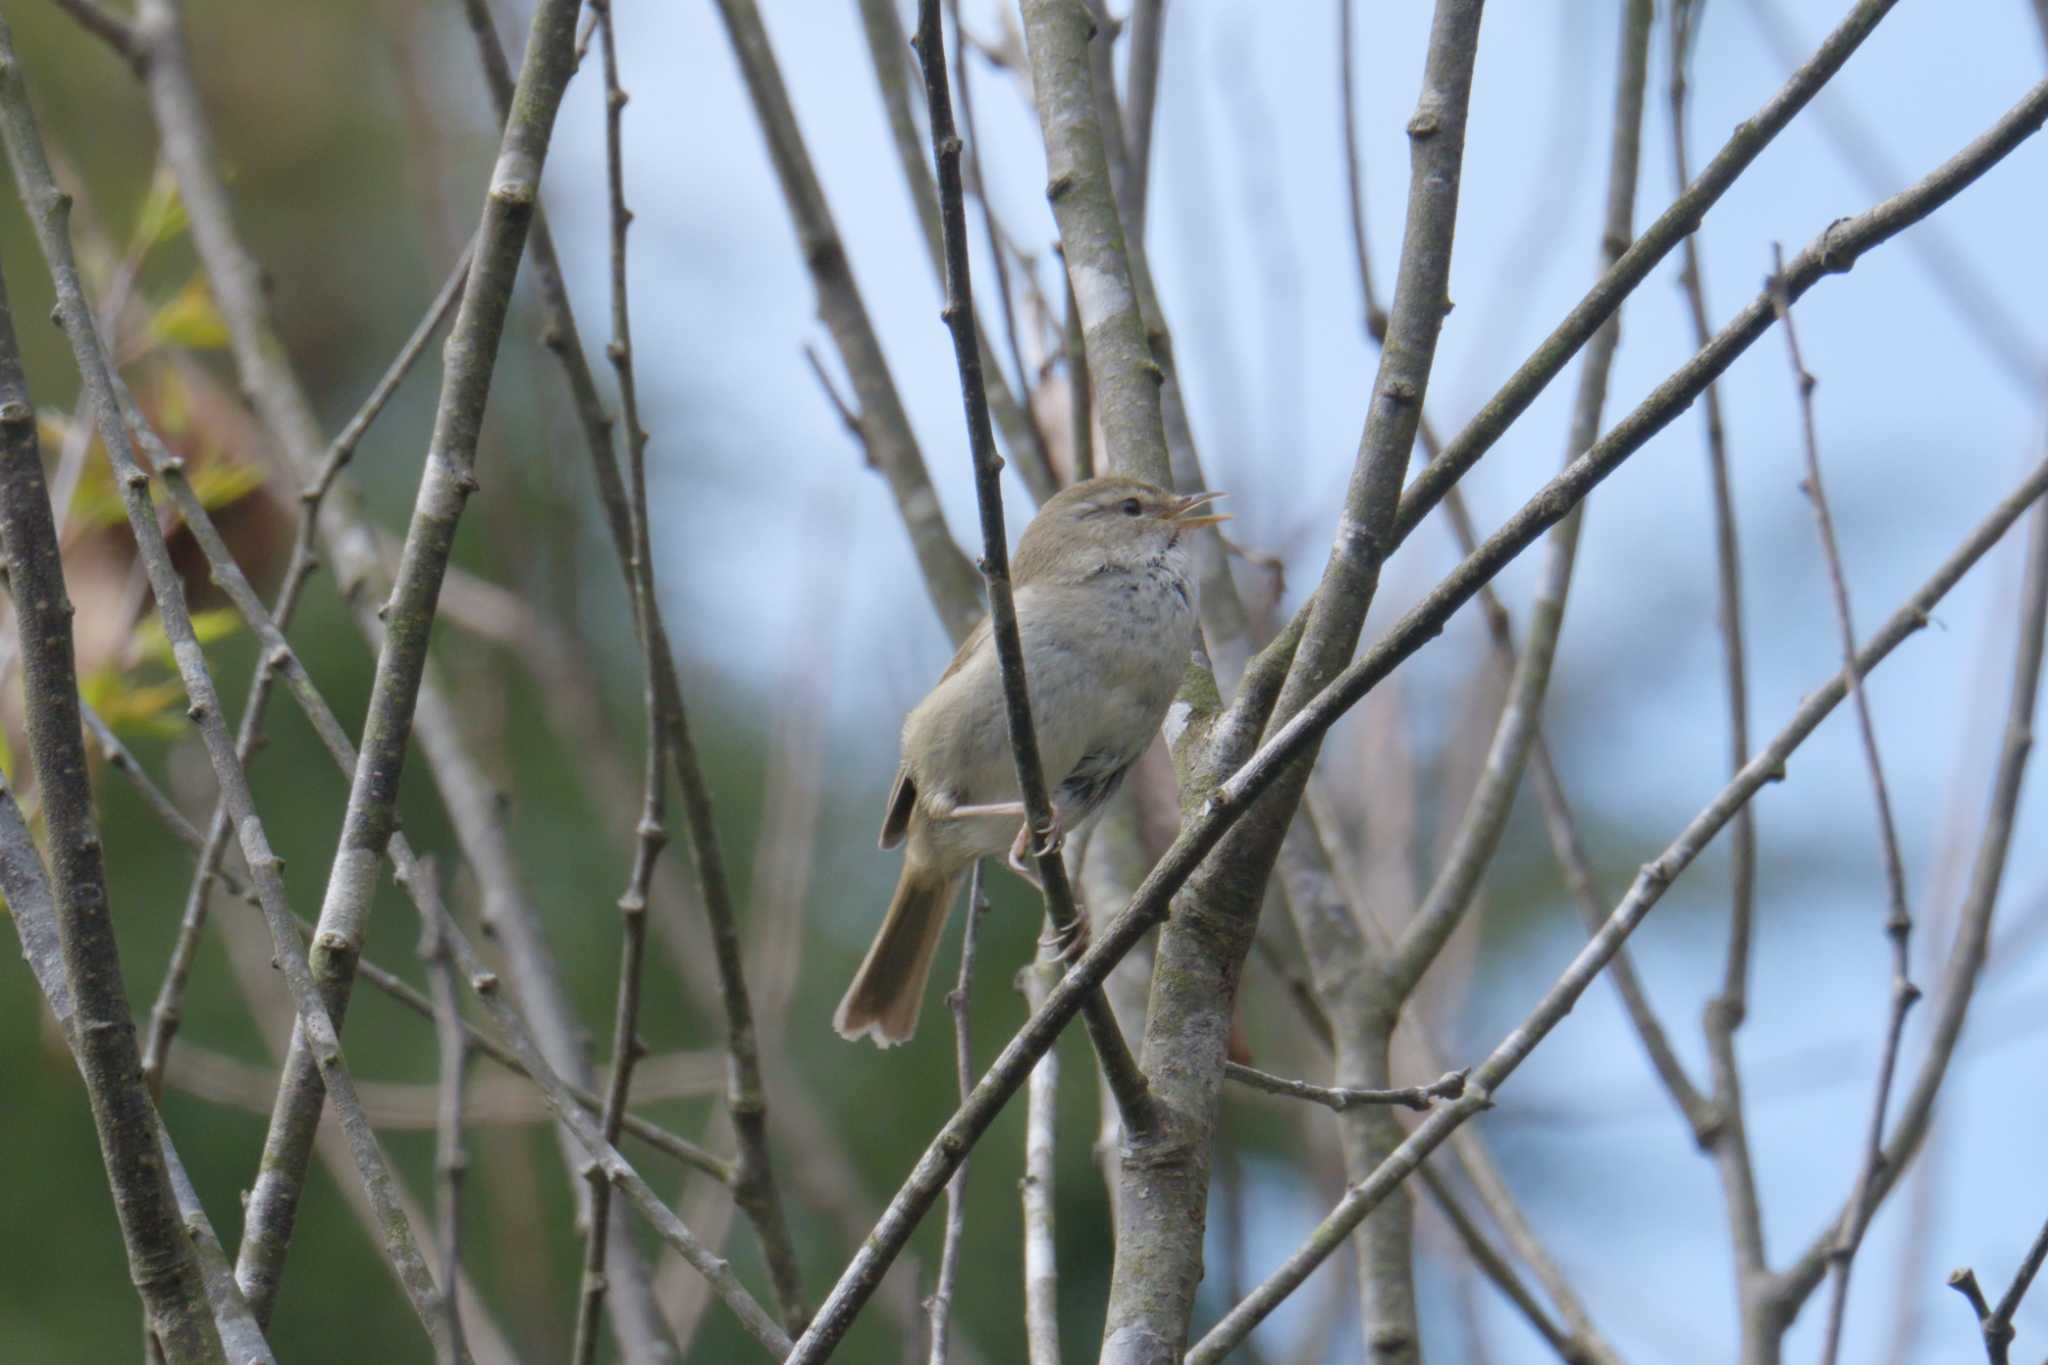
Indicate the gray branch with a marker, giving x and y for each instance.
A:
(161, 1260)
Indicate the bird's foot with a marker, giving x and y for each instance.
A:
(1069, 943)
(1031, 845)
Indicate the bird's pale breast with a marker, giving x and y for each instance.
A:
(1103, 659)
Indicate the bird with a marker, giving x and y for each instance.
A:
(1106, 615)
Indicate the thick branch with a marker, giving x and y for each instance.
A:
(49, 211)
(161, 1260)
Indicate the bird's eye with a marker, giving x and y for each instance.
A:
(1131, 507)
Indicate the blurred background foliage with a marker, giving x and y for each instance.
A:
(355, 138)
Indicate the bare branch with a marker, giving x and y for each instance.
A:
(1339, 1098)
(445, 485)
(940, 1305)
(1996, 1323)
(1843, 241)
(1041, 1129)
(165, 1014)
(161, 1259)
(675, 1074)
(1898, 924)
(1650, 885)
(948, 576)
(1478, 834)
(1151, 1290)
(31, 906)
(1967, 954)
(1751, 136)
(49, 210)
(754, 1186)
(650, 833)
(450, 1163)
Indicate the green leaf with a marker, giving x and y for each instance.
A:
(190, 319)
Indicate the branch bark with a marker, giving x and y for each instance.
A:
(445, 485)
(755, 1187)
(1678, 221)
(1202, 950)
(161, 1261)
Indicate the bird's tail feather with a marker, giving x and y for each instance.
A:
(888, 990)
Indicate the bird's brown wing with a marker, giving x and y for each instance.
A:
(902, 800)
(903, 794)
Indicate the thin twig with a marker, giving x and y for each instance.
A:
(1080, 401)
(1036, 466)
(888, 51)
(1650, 884)
(1965, 966)
(161, 1259)
(1951, 267)
(1898, 924)
(755, 1186)
(1041, 1130)
(940, 1304)
(1549, 358)
(1147, 24)
(96, 19)
(166, 1013)
(947, 573)
(449, 477)
(1722, 1125)
(1341, 1098)
(1354, 166)
(1119, 1068)
(32, 907)
(1495, 1267)
(650, 832)
(1995, 1324)
(450, 1163)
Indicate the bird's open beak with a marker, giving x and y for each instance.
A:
(1186, 513)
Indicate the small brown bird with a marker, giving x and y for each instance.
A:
(1106, 616)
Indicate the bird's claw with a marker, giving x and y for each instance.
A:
(1031, 845)
(1069, 943)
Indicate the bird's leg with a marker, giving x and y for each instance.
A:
(995, 808)
(1072, 940)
